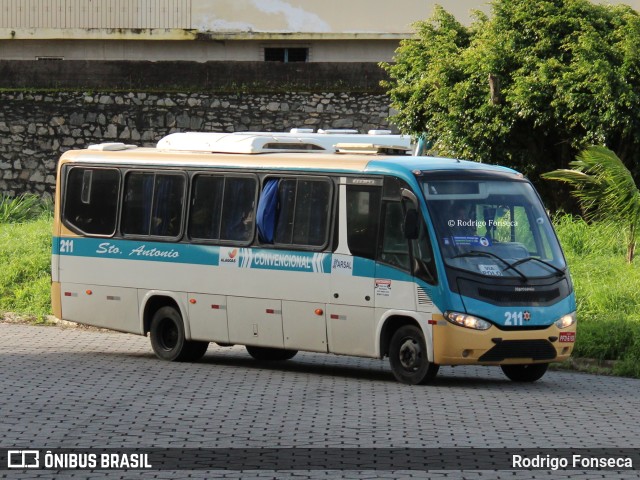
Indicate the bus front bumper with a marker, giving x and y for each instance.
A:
(455, 345)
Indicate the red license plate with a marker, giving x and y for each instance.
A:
(568, 337)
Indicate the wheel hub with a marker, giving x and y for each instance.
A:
(168, 335)
(410, 354)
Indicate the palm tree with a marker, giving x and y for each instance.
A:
(605, 189)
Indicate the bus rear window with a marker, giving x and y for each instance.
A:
(91, 200)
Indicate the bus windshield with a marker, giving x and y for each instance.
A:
(493, 226)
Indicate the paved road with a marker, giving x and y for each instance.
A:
(75, 388)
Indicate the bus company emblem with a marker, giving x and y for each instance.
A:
(526, 316)
(342, 264)
(229, 257)
(524, 289)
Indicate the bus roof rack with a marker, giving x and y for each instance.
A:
(269, 142)
(111, 147)
(372, 149)
(301, 130)
(338, 131)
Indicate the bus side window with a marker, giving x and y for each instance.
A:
(153, 204)
(168, 198)
(238, 211)
(206, 207)
(363, 219)
(91, 200)
(222, 208)
(294, 211)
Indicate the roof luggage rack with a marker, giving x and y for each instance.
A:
(295, 141)
(372, 149)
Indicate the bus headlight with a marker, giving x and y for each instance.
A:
(566, 321)
(468, 321)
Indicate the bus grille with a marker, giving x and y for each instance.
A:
(517, 298)
(507, 349)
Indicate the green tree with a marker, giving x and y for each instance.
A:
(529, 86)
(606, 191)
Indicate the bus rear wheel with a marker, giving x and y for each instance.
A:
(408, 357)
(525, 373)
(168, 339)
(270, 354)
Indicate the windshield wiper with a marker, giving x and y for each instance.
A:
(478, 253)
(559, 272)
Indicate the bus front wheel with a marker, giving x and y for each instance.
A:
(270, 354)
(168, 339)
(525, 373)
(408, 357)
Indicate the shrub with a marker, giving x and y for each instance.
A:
(26, 206)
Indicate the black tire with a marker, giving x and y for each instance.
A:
(168, 340)
(525, 373)
(270, 354)
(194, 350)
(408, 357)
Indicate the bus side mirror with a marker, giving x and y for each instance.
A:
(411, 224)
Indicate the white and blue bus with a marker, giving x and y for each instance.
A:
(299, 247)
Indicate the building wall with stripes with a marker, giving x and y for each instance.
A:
(90, 14)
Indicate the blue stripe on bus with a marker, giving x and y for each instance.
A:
(255, 258)
(136, 250)
(289, 260)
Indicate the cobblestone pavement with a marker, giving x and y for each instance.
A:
(75, 388)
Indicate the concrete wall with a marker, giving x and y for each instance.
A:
(195, 51)
(233, 30)
(36, 128)
(281, 16)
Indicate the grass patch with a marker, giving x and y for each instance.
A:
(21, 208)
(607, 293)
(25, 277)
(25, 256)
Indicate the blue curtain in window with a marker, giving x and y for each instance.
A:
(267, 212)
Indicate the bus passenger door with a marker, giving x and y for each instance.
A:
(394, 285)
(350, 313)
(402, 257)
